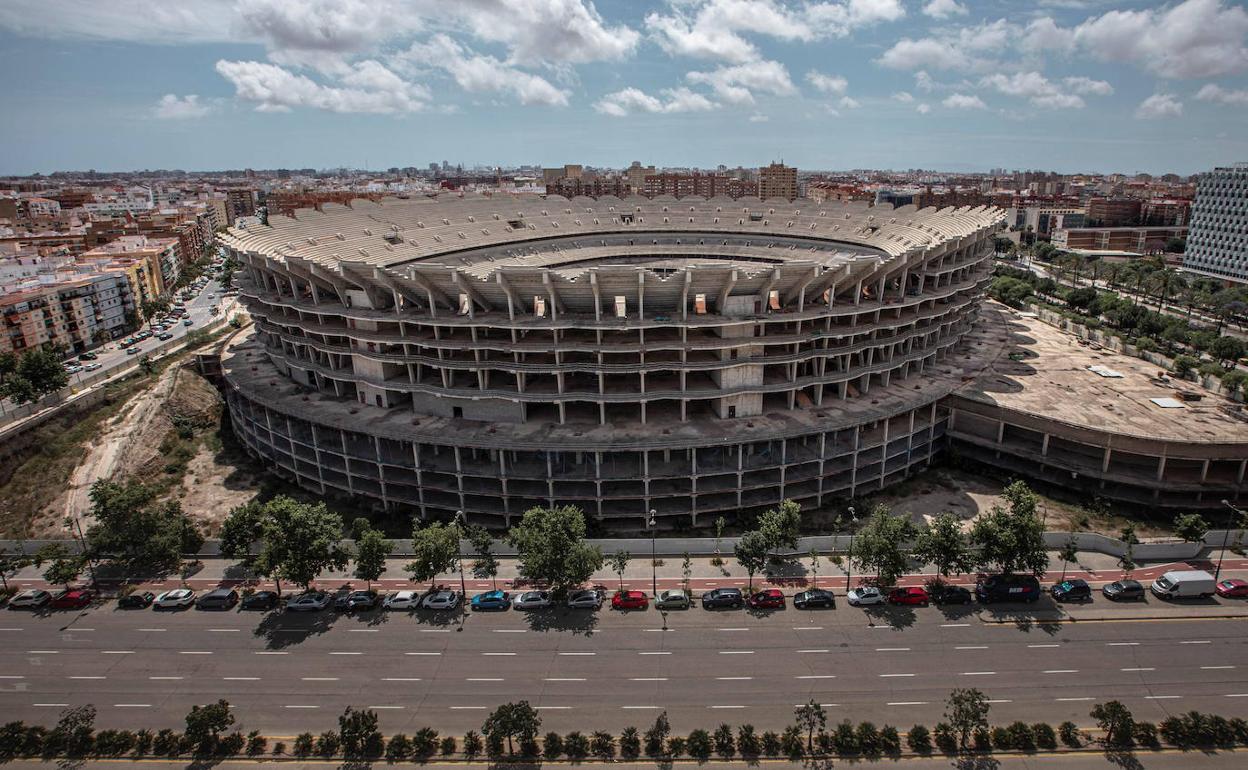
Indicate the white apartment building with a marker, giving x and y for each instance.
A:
(1217, 244)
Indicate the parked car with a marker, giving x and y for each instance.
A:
(723, 597)
(30, 599)
(1007, 588)
(672, 599)
(586, 599)
(164, 336)
(401, 600)
(188, 322)
(630, 600)
(944, 593)
(217, 599)
(355, 600)
(767, 599)
(1184, 584)
(312, 601)
(88, 356)
(133, 351)
(491, 600)
(92, 367)
(178, 598)
(139, 600)
(260, 600)
(72, 599)
(1123, 590)
(532, 600)
(440, 599)
(1074, 590)
(814, 598)
(1233, 588)
(914, 596)
(72, 368)
(863, 596)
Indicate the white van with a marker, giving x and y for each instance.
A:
(1184, 584)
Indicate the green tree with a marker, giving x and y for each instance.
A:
(1068, 553)
(781, 526)
(293, 541)
(1011, 538)
(550, 547)
(147, 365)
(138, 531)
(686, 569)
(880, 545)
(966, 711)
(204, 725)
(509, 721)
(72, 735)
(63, 567)
(810, 717)
(435, 550)
(813, 555)
(1127, 536)
(942, 543)
(1116, 720)
(719, 536)
(32, 376)
(1227, 349)
(618, 562)
(357, 729)
(656, 737)
(1191, 527)
(486, 563)
(751, 551)
(371, 550)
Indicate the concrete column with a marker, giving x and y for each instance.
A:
(1161, 467)
(1105, 462)
(1044, 447)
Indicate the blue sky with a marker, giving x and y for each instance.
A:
(1070, 85)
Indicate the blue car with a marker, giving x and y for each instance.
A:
(491, 600)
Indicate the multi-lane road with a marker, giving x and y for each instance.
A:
(286, 673)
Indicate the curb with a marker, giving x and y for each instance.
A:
(1110, 618)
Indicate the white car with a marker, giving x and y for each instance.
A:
(175, 599)
(865, 595)
(91, 367)
(532, 600)
(401, 600)
(588, 599)
(440, 599)
(30, 599)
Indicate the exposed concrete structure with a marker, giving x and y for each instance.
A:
(692, 357)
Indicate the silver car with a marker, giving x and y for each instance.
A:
(588, 599)
(440, 599)
(532, 600)
(865, 595)
(30, 599)
(672, 599)
(312, 601)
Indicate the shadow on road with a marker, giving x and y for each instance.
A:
(893, 616)
(576, 622)
(281, 629)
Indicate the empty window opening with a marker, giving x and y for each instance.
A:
(621, 307)
(457, 412)
(539, 307)
(773, 299)
(699, 304)
(465, 304)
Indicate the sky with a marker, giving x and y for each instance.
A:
(955, 85)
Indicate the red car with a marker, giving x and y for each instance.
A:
(916, 595)
(770, 599)
(630, 600)
(1233, 588)
(74, 599)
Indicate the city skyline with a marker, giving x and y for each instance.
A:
(1082, 86)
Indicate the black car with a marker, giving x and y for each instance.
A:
(1073, 590)
(814, 597)
(723, 597)
(356, 600)
(943, 593)
(140, 600)
(87, 356)
(217, 599)
(260, 600)
(1008, 588)
(1123, 590)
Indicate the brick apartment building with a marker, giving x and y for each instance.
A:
(777, 181)
(1138, 240)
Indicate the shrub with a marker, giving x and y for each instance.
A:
(1239, 728)
(529, 747)
(845, 739)
(919, 740)
(575, 745)
(699, 745)
(1183, 365)
(676, 746)
(12, 740)
(1002, 739)
(35, 737)
(656, 736)
(399, 748)
(630, 743)
(1046, 738)
(231, 745)
(304, 744)
(792, 743)
(1145, 734)
(725, 746)
(771, 744)
(868, 739)
(552, 746)
(472, 744)
(113, 743)
(1235, 381)
(982, 739)
(424, 742)
(1070, 734)
(946, 741)
(143, 742)
(495, 744)
(1174, 731)
(256, 743)
(602, 745)
(824, 743)
(167, 743)
(1218, 731)
(279, 749)
(747, 741)
(890, 741)
(447, 747)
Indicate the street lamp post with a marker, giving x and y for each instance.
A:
(849, 562)
(1226, 534)
(75, 530)
(459, 556)
(654, 569)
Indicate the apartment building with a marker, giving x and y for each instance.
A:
(152, 263)
(1137, 240)
(1218, 245)
(777, 181)
(75, 313)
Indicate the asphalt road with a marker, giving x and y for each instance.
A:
(286, 673)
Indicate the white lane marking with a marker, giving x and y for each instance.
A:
(737, 628)
(483, 679)
(1197, 641)
(10, 629)
(194, 652)
(467, 708)
(654, 653)
(116, 652)
(400, 679)
(893, 675)
(266, 652)
(13, 676)
(1162, 697)
(553, 708)
(1122, 644)
(1071, 699)
(577, 653)
(811, 651)
(224, 630)
(240, 678)
(1062, 671)
(972, 647)
(346, 653)
(907, 703)
(300, 707)
(132, 705)
(955, 625)
(81, 629)
(999, 700)
(807, 628)
(87, 677)
(49, 705)
(734, 678)
(164, 678)
(1039, 646)
(1214, 668)
(422, 653)
(320, 678)
(736, 652)
(978, 673)
(385, 707)
(818, 676)
(512, 631)
(151, 630)
(892, 649)
(648, 679)
(1237, 695)
(498, 654)
(370, 631)
(435, 630)
(1142, 668)
(651, 630)
(563, 679)
(727, 707)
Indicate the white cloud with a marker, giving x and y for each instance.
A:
(171, 107)
(1088, 86)
(828, 84)
(922, 109)
(1193, 39)
(632, 100)
(276, 89)
(964, 102)
(1216, 93)
(905, 97)
(737, 84)
(476, 73)
(907, 54)
(185, 21)
(1159, 106)
(849, 103)
(551, 31)
(1034, 87)
(758, 117)
(964, 49)
(1042, 35)
(943, 9)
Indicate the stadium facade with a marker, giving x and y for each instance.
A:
(690, 357)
